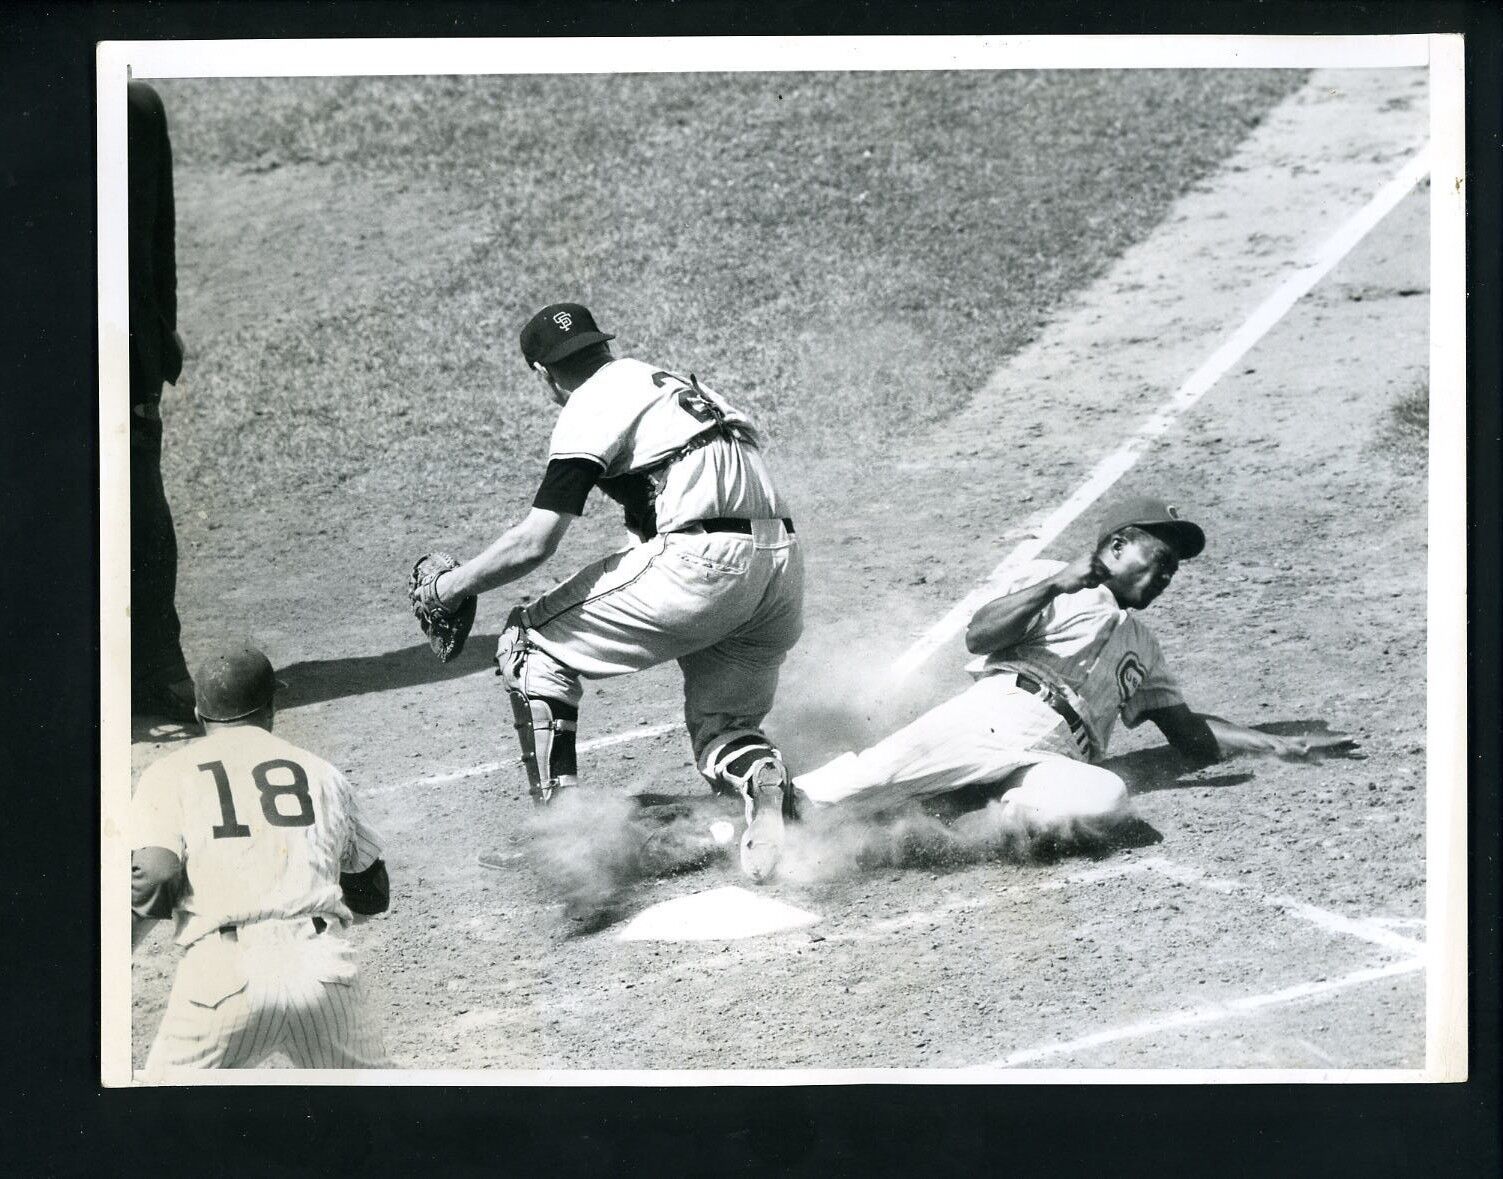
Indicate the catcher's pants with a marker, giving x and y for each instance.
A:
(727, 606)
(241, 995)
(994, 732)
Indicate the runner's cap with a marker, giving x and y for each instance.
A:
(1158, 518)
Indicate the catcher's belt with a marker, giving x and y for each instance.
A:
(727, 524)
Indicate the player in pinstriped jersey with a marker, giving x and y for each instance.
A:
(1060, 657)
(258, 851)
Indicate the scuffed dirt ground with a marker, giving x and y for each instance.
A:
(1307, 608)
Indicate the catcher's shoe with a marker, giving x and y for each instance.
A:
(769, 799)
(544, 793)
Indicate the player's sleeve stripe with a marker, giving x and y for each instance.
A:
(577, 454)
(1146, 700)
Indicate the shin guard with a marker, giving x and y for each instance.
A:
(546, 732)
(545, 727)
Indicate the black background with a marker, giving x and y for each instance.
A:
(57, 1120)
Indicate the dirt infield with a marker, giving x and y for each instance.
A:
(1265, 915)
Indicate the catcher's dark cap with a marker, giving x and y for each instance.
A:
(559, 330)
(1159, 518)
(233, 683)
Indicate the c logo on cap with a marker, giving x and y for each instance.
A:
(1172, 510)
(564, 320)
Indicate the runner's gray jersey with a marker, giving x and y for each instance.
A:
(1104, 658)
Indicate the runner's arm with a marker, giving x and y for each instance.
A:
(1005, 620)
(1204, 738)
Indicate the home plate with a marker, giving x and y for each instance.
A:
(722, 914)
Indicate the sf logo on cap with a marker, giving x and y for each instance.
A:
(1172, 510)
(564, 320)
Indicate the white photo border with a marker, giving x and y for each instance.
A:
(1446, 766)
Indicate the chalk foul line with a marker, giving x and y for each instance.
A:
(1371, 930)
(1377, 931)
(1124, 458)
(1208, 1013)
(490, 767)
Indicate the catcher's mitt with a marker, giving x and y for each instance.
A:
(446, 628)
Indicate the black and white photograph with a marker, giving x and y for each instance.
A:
(649, 561)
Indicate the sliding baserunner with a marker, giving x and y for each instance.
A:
(1061, 656)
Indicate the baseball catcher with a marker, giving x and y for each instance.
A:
(714, 578)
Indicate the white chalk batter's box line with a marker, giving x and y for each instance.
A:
(1378, 931)
(1208, 1013)
(490, 767)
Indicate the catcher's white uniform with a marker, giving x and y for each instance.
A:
(1099, 660)
(715, 579)
(263, 830)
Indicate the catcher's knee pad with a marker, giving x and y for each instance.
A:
(512, 648)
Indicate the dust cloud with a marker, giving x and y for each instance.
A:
(593, 844)
(830, 846)
(841, 699)
(590, 845)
